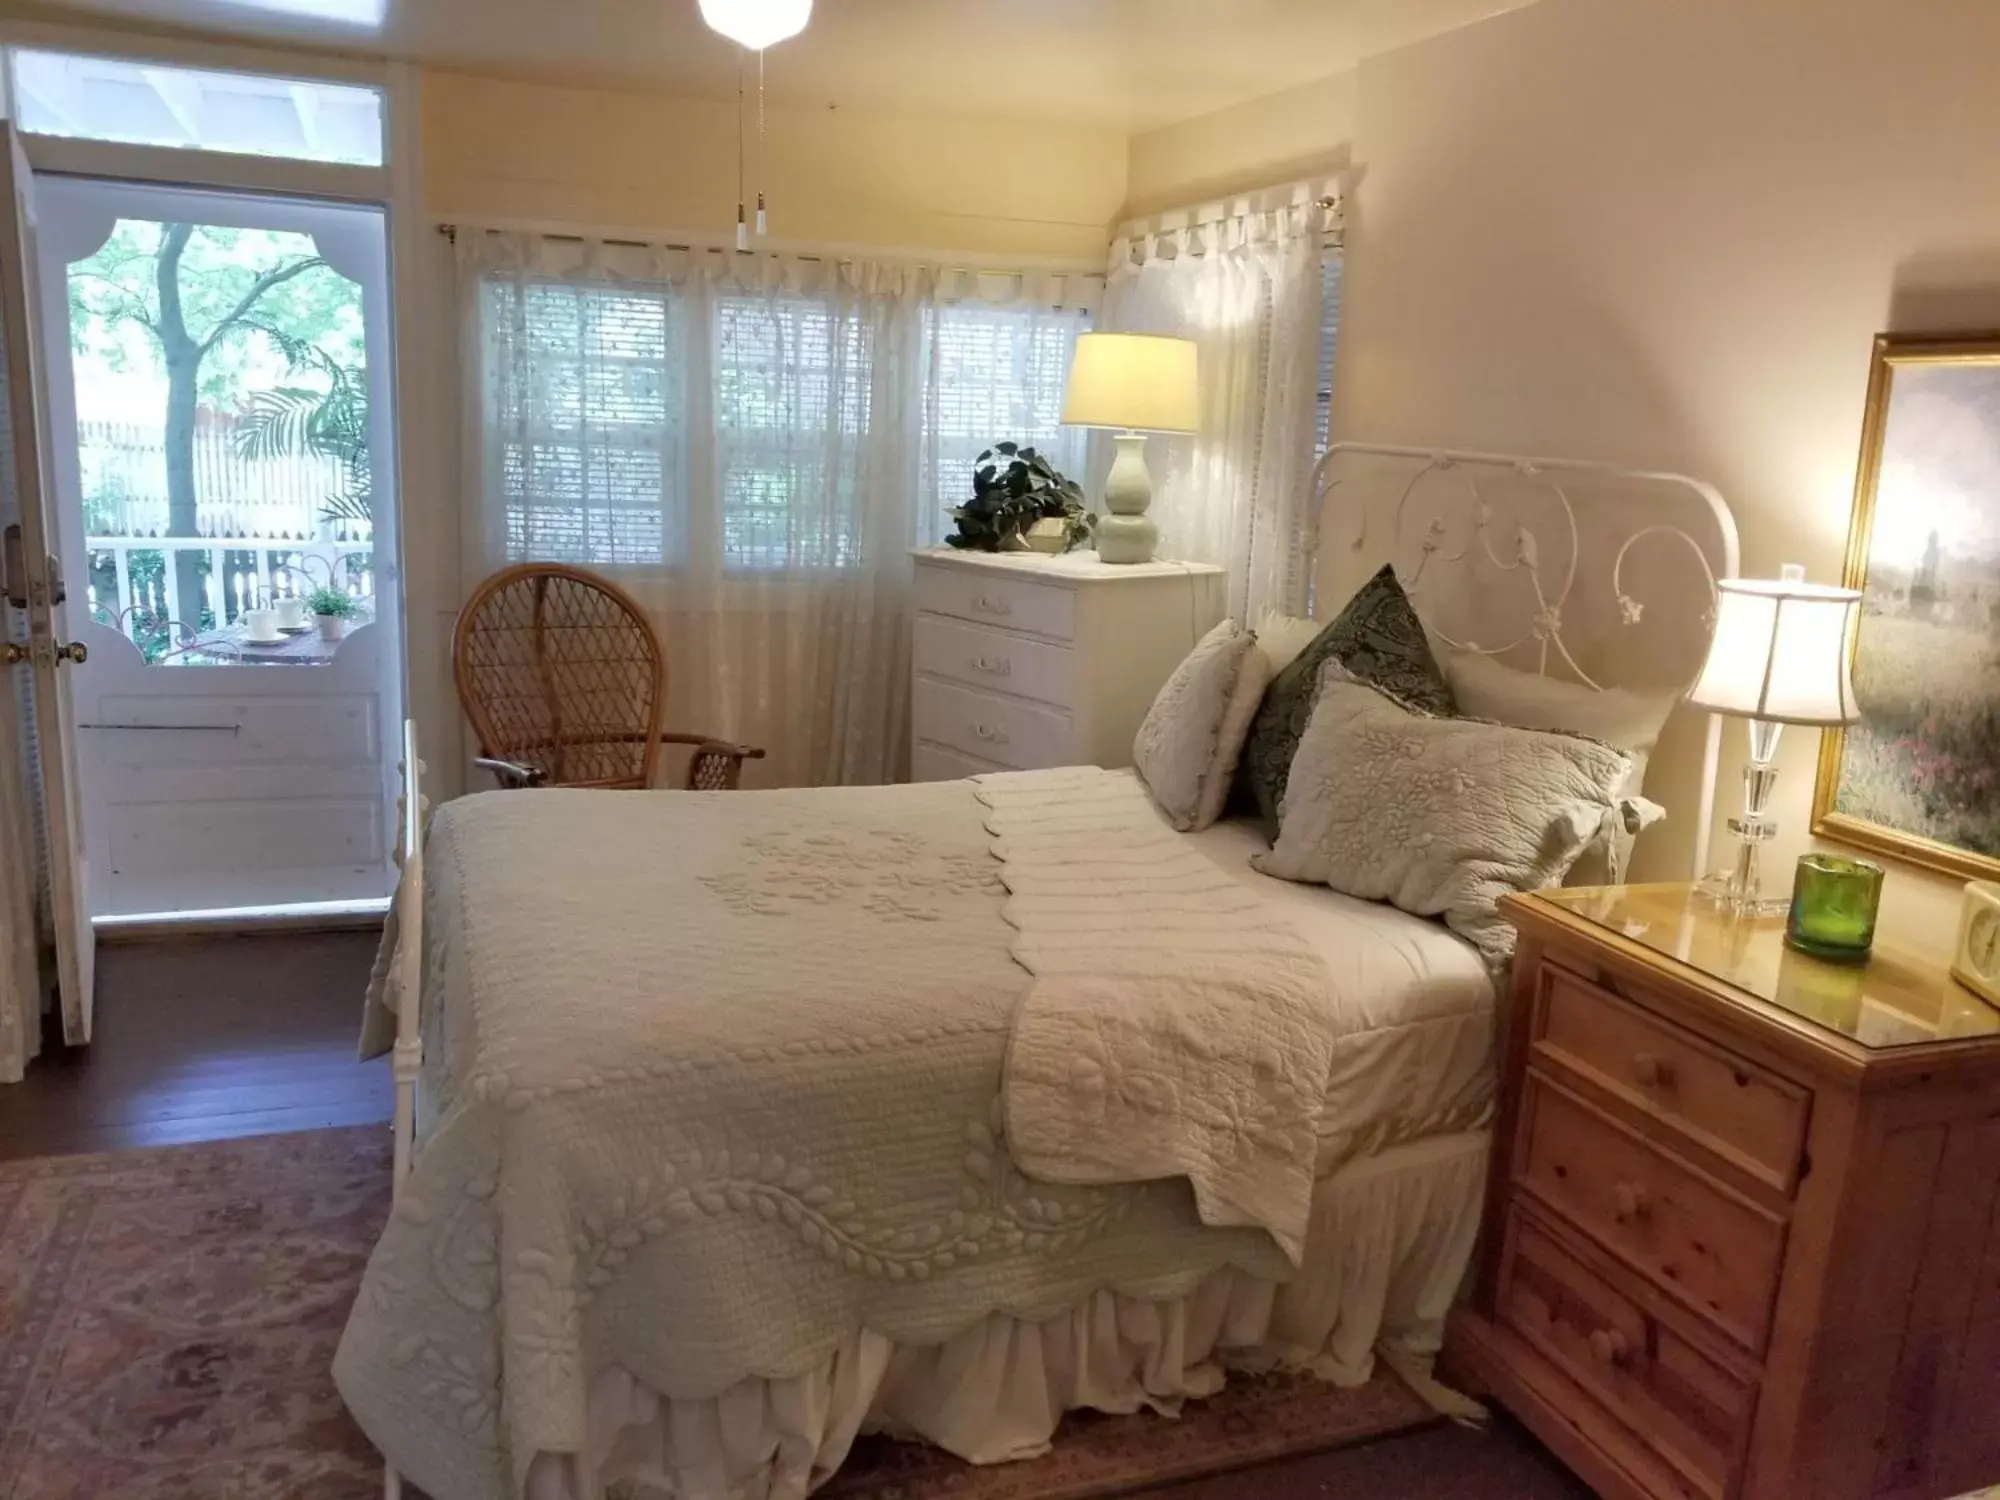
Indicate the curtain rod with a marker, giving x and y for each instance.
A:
(450, 232)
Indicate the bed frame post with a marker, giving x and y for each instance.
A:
(409, 961)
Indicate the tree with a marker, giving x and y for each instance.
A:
(203, 295)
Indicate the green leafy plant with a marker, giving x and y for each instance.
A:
(302, 421)
(327, 601)
(1012, 488)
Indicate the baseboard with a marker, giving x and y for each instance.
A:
(318, 916)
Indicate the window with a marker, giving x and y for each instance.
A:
(152, 104)
(589, 412)
(1329, 342)
(791, 403)
(586, 413)
(1000, 374)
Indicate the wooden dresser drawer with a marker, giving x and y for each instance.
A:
(1717, 1252)
(1693, 1411)
(1754, 1119)
(1042, 609)
(936, 763)
(1005, 731)
(994, 659)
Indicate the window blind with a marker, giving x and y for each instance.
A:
(588, 400)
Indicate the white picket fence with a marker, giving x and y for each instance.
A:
(124, 473)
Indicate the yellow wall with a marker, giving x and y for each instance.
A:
(500, 148)
(1303, 132)
(1662, 234)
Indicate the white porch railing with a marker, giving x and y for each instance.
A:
(242, 571)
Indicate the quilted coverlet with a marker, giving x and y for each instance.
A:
(713, 1080)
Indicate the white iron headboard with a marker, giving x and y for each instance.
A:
(1589, 572)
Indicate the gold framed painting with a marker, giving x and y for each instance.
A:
(1918, 778)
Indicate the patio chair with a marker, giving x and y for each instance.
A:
(564, 681)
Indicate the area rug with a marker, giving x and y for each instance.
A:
(168, 1320)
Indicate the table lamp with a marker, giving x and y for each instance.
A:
(1780, 655)
(1132, 383)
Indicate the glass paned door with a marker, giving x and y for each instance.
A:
(222, 432)
(223, 459)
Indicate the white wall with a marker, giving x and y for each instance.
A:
(1665, 233)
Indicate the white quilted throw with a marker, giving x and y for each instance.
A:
(1176, 1026)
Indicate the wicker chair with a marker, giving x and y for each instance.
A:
(564, 681)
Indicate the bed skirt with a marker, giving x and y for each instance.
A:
(1391, 1236)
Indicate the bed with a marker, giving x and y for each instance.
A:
(943, 1109)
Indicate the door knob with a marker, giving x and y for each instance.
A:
(75, 653)
(12, 652)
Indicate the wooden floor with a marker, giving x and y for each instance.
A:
(204, 1038)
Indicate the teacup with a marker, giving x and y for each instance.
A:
(291, 613)
(261, 625)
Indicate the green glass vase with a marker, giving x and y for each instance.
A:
(1834, 903)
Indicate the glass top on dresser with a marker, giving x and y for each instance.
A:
(1897, 999)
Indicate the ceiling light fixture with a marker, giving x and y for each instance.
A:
(757, 24)
(754, 25)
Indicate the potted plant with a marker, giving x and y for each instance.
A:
(1020, 500)
(331, 610)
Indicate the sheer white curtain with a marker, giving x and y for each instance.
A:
(751, 445)
(1249, 289)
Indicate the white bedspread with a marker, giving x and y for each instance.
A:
(769, 1113)
(1177, 1026)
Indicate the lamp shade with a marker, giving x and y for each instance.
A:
(1781, 651)
(1133, 382)
(757, 24)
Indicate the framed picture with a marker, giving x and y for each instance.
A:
(1919, 777)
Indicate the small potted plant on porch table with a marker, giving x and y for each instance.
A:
(331, 610)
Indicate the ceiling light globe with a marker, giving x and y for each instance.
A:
(757, 24)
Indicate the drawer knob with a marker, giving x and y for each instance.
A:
(993, 604)
(993, 666)
(1631, 1201)
(1610, 1346)
(989, 734)
(1652, 1072)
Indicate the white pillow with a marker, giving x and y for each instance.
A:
(1281, 637)
(1441, 817)
(1187, 746)
(1488, 689)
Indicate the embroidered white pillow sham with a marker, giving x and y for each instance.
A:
(1187, 746)
(1438, 816)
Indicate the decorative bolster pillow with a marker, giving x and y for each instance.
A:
(1187, 747)
(1439, 816)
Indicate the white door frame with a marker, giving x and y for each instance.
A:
(426, 405)
(242, 869)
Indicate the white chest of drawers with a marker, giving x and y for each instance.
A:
(1022, 661)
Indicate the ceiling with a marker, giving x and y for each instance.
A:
(1129, 64)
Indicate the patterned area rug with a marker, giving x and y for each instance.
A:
(168, 1320)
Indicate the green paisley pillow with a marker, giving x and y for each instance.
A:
(1379, 639)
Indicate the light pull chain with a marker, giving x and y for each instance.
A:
(742, 227)
(763, 156)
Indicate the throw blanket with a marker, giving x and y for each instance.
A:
(714, 1080)
(1177, 1026)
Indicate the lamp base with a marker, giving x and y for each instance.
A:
(1740, 891)
(1721, 889)
(1125, 535)
(1126, 539)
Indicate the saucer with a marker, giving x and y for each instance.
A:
(294, 629)
(264, 640)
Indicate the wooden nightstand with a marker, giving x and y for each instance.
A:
(1743, 1224)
